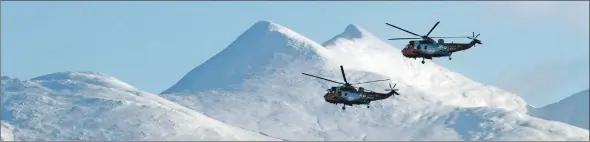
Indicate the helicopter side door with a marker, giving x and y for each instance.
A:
(427, 48)
(351, 96)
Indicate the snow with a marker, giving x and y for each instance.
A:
(254, 91)
(92, 106)
(252, 52)
(436, 104)
(7, 131)
(572, 110)
(369, 53)
(90, 78)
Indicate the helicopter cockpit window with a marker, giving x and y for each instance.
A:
(332, 90)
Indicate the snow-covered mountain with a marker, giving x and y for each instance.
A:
(93, 106)
(264, 45)
(436, 104)
(358, 49)
(572, 110)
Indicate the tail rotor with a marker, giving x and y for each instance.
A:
(392, 88)
(474, 38)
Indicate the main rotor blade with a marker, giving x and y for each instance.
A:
(403, 38)
(371, 81)
(322, 78)
(432, 28)
(343, 75)
(403, 29)
(451, 37)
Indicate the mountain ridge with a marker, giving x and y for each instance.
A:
(41, 109)
(277, 102)
(572, 110)
(268, 102)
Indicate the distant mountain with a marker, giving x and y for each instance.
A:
(93, 106)
(436, 104)
(572, 110)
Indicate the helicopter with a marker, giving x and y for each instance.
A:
(349, 95)
(427, 48)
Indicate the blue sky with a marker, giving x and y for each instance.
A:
(538, 50)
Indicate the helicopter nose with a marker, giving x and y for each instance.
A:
(406, 52)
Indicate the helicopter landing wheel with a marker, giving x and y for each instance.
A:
(450, 58)
(368, 106)
(423, 62)
(343, 108)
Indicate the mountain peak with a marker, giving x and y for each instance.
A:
(354, 31)
(69, 75)
(350, 33)
(264, 24)
(94, 78)
(264, 45)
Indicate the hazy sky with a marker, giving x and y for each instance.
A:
(538, 50)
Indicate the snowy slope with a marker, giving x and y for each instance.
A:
(7, 132)
(93, 106)
(436, 104)
(264, 44)
(572, 110)
(357, 48)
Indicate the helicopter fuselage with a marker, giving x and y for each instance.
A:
(427, 49)
(353, 97)
(349, 95)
